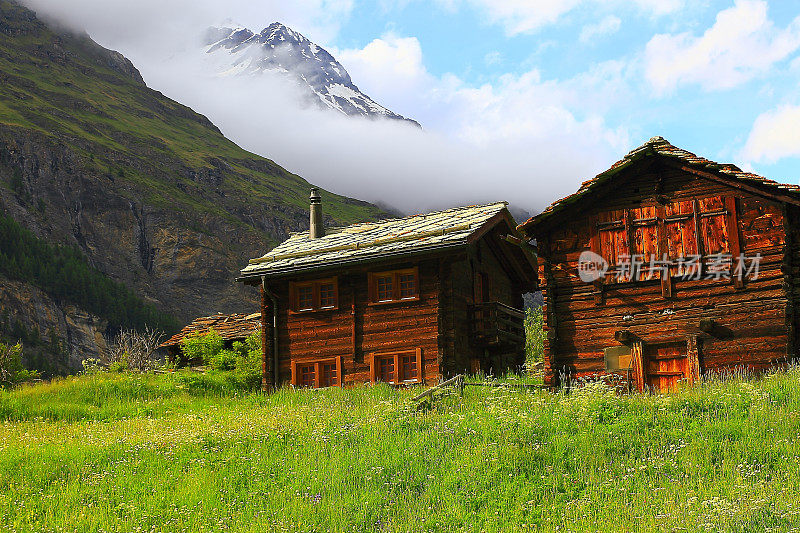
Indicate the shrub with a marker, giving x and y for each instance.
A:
(534, 337)
(133, 350)
(202, 347)
(248, 365)
(223, 360)
(11, 370)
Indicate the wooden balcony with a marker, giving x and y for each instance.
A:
(497, 325)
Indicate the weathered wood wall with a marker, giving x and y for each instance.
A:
(755, 322)
(358, 327)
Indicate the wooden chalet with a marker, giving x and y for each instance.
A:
(667, 321)
(407, 300)
(232, 328)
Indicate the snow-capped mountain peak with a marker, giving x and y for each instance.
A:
(280, 49)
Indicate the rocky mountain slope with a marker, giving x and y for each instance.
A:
(149, 191)
(279, 50)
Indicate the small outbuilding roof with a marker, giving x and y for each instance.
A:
(369, 241)
(229, 327)
(661, 147)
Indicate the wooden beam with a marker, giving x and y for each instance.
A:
(737, 184)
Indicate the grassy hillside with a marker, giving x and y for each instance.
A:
(183, 453)
(70, 90)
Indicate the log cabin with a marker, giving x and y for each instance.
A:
(668, 266)
(407, 300)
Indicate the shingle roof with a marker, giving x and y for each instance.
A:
(364, 242)
(660, 146)
(230, 327)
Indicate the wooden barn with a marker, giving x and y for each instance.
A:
(400, 301)
(667, 266)
(232, 328)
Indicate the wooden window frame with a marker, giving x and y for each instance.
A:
(315, 285)
(731, 222)
(337, 361)
(395, 275)
(398, 355)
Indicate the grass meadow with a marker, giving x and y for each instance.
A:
(185, 452)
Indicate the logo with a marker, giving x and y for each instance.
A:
(591, 267)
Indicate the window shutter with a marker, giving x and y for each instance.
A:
(713, 226)
(680, 234)
(373, 297)
(340, 371)
(645, 239)
(732, 221)
(295, 377)
(420, 368)
(663, 251)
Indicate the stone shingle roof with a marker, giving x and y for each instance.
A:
(369, 241)
(660, 146)
(229, 327)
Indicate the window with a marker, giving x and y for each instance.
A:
(385, 372)
(318, 373)
(327, 295)
(394, 286)
(307, 375)
(679, 229)
(384, 288)
(396, 367)
(305, 298)
(329, 373)
(313, 295)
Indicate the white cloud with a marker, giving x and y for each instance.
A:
(154, 24)
(521, 137)
(605, 26)
(527, 16)
(493, 58)
(660, 7)
(742, 44)
(775, 135)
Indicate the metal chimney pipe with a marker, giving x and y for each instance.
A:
(316, 227)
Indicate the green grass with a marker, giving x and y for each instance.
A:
(185, 452)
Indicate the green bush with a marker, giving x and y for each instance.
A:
(242, 360)
(248, 364)
(534, 337)
(203, 347)
(11, 370)
(223, 360)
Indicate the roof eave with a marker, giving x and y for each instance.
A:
(282, 272)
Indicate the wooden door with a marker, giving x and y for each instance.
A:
(666, 366)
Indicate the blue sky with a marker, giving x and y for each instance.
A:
(465, 39)
(521, 100)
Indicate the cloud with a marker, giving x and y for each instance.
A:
(775, 135)
(742, 44)
(153, 24)
(527, 16)
(607, 26)
(521, 137)
(493, 58)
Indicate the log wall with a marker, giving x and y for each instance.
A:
(358, 327)
(754, 323)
